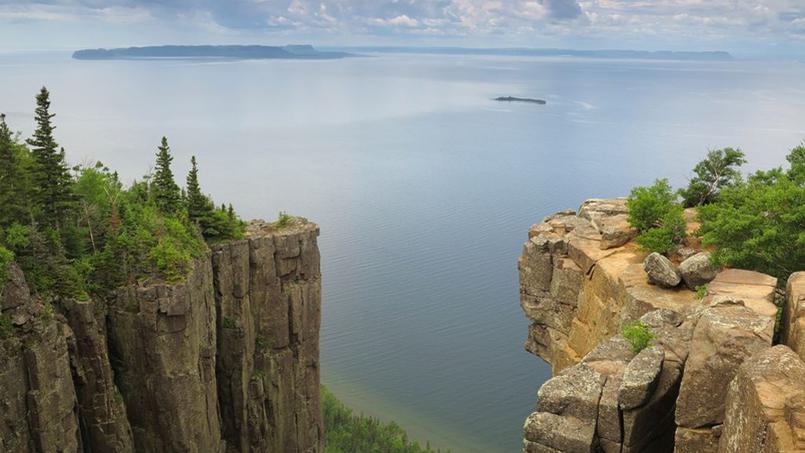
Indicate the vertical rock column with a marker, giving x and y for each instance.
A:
(162, 342)
(268, 296)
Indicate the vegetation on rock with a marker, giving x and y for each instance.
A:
(759, 223)
(638, 335)
(717, 171)
(80, 231)
(346, 432)
(654, 211)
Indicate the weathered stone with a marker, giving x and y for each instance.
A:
(695, 440)
(14, 291)
(615, 230)
(766, 404)
(609, 427)
(565, 434)
(756, 291)
(698, 270)
(595, 208)
(684, 253)
(640, 377)
(792, 327)
(574, 392)
(724, 337)
(661, 271)
(653, 421)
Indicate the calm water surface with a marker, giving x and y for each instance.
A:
(423, 187)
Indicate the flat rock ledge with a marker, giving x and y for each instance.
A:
(709, 381)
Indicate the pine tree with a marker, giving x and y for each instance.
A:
(167, 195)
(51, 175)
(8, 175)
(199, 207)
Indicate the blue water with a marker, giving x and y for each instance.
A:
(423, 187)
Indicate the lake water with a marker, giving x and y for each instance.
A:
(423, 187)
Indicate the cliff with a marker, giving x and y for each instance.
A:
(710, 379)
(225, 361)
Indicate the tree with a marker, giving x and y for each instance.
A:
(760, 224)
(718, 170)
(167, 194)
(199, 207)
(51, 174)
(9, 176)
(648, 205)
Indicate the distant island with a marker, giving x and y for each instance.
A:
(516, 99)
(536, 52)
(291, 52)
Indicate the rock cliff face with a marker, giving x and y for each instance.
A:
(704, 382)
(225, 361)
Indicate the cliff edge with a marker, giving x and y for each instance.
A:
(225, 361)
(709, 380)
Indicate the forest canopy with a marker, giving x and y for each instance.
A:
(79, 231)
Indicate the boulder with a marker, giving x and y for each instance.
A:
(574, 392)
(792, 331)
(766, 404)
(696, 440)
(640, 377)
(595, 208)
(546, 432)
(615, 230)
(698, 270)
(661, 271)
(724, 337)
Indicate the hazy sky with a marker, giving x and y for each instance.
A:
(742, 26)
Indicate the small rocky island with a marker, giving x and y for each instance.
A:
(291, 52)
(516, 99)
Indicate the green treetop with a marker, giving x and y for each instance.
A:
(199, 207)
(51, 175)
(8, 173)
(167, 194)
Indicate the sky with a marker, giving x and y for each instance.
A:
(744, 27)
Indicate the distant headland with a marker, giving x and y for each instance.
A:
(240, 52)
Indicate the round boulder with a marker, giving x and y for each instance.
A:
(661, 271)
(698, 270)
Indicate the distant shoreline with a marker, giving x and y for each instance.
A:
(237, 52)
(615, 54)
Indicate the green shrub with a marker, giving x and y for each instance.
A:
(701, 291)
(284, 219)
(262, 343)
(638, 335)
(346, 432)
(229, 323)
(6, 257)
(648, 205)
(669, 233)
(759, 224)
(718, 170)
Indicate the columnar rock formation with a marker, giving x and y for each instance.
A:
(579, 287)
(225, 361)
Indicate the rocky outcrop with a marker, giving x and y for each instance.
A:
(792, 332)
(661, 271)
(765, 406)
(223, 361)
(675, 395)
(267, 292)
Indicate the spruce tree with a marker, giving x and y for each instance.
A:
(8, 175)
(199, 208)
(51, 175)
(167, 194)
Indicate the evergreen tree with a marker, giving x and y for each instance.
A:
(199, 207)
(167, 195)
(51, 175)
(9, 176)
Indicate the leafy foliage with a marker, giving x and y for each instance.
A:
(215, 224)
(82, 233)
(717, 171)
(348, 433)
(701, 292)
(669, 233)
(283, 220)
(759, 224)
(638, 335)
(654, 211)
(648, 205)
(6, 256)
